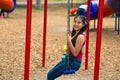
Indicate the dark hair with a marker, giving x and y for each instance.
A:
(85, 22)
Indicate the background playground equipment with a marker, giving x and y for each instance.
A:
(117, 20)
(8, 5)
(110, 7)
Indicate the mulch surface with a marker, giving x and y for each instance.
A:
(12, 47)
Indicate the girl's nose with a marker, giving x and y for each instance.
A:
(76, 23)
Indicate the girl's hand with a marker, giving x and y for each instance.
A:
(69, 32)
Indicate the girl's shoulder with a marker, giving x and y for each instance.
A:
(81, 36)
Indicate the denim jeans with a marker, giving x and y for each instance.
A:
(58, 69)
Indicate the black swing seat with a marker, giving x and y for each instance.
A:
(69, 72)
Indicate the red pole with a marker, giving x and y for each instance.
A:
(87, 34)
(71, 3)
(28, 40)
(44, 31)
(98, 39)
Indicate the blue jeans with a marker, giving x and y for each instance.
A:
(58, 69)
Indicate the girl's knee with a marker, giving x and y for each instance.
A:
(49, 76)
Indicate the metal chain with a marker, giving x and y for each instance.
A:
(68, 29)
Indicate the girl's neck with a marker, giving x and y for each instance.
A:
(77, 31)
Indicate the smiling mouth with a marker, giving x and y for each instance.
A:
(76, 27)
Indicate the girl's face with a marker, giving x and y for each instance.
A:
(77, 24)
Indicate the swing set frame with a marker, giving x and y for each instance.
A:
(28, 38)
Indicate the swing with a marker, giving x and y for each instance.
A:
(68, 69)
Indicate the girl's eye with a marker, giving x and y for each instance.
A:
(74, 21)
(79, 22)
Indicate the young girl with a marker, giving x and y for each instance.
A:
(76, 41)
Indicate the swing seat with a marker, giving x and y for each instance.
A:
(69, 72)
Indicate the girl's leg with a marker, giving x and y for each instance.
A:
(75, 64)
(57, 70)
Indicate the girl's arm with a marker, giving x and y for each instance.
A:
(78, 45)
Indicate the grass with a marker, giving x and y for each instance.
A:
(58, 0)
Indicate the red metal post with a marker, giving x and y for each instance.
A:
(28, 40)
(71, 3)
(44, 31)
(87, 34)
(98, 39)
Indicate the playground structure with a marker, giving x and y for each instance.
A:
(28, 37)
(110, 7)
(8, 5)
